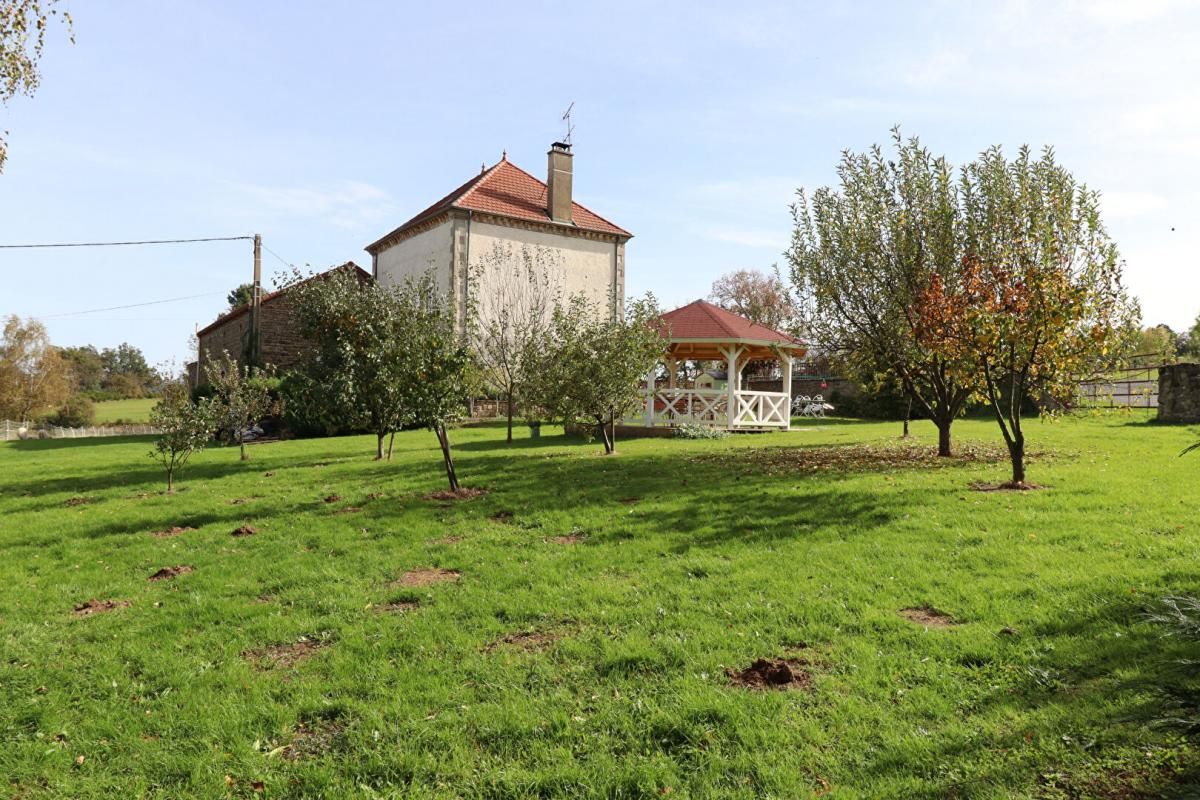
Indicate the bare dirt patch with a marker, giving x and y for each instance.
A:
(241, 501)
(81, 500)
(447, 540)
(399, 607)
(631, 501)
(462, 493)
(311, 740)
(525, 640)
(282, 655)
(502, 516)
(166, 573)
(852, 458)
(928, 616)
(1007, 486)
(348, 510)
(425, 577)
(570, 538)
(245, 530)
(173, 531)
(773, 673)
(94, 606)
(333, 498)
(374, 495)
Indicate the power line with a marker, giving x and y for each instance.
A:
(123, 244)
(281, 258)
(131, 305)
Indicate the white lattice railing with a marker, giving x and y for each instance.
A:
(666, 407)
(762, 409)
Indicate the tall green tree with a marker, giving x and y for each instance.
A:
(591, 374)
(23, 26)
(86, 367)
(861, 255)
(354, 370)
(240, 295)
(1039, 302)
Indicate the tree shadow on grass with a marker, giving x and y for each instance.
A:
(1104, 665)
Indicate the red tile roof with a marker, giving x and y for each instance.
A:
(703, 320)
(229, 316)
(508, 191)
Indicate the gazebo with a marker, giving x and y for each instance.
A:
(701, 331)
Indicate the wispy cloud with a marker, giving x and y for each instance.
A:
(351, 205)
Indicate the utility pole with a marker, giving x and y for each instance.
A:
(255, 300)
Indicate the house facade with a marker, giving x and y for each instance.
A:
(505, 205)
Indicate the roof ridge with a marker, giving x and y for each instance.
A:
(478, 180)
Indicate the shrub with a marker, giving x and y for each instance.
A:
(691, 431)
(77, 412)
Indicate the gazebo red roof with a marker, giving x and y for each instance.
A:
(703, 320)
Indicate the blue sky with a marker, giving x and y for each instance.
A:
(324, 125)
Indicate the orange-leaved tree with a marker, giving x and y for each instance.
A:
(1038, 302)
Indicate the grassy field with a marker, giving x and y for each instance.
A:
(584, 645)
(125, 410)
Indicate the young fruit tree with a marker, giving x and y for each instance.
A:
(513, 302)
(242, 394)
(353, 372)
(591, 375)
(434, 369)
(185, 427)
(861, 255)
(1038, 303)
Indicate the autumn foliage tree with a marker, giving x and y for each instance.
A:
(861, 256)
(33, 374)
(758, 296)
(1038, 301)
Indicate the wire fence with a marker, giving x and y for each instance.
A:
(11, 430)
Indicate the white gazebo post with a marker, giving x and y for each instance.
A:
(785, 359)
(732, 385)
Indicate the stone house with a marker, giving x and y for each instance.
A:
(505, 205)
(280, 345)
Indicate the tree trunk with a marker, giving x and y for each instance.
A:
(444, 441)
(1016, 453)
(907, 415)
(944, 448)
(510, 415)
(612, 430)
(170, 478)
(605, 435)
(391, 441)
(379, 446)
(242, 444)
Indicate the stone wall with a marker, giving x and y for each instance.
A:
(281, 346)
(1179, 393)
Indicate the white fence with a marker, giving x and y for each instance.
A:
(711, 407)
(11, 431)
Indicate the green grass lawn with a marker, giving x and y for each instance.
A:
(126, 410)
(289, 663)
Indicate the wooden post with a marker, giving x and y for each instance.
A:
(255, 301)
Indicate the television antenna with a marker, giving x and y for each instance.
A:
(570, 126)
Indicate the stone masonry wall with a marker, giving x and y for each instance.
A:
(282, 346)
(1179, 393)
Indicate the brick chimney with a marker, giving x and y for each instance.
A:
(558, 182)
